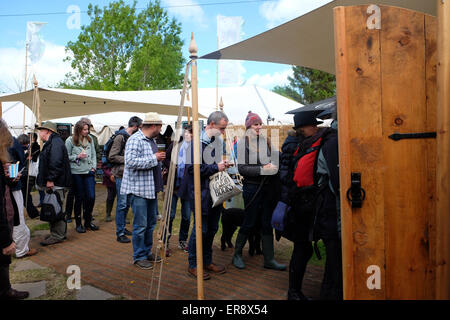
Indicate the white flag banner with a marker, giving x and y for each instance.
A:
(36, 46)
(228, 33)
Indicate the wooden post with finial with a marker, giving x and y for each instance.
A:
(443, 153)
(221, 104)
(193, 50)
(37, 104)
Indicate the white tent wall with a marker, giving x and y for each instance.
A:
(237, 102)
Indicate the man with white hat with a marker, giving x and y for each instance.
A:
(141, 166)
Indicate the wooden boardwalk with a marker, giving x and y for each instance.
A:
(107, 264)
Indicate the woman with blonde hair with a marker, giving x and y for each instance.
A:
(7, 208)
(83, 162)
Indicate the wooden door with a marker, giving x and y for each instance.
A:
(386, 80)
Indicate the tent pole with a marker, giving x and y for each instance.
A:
(25, 85)
(443, 153)
(197, 192)
(38, 105)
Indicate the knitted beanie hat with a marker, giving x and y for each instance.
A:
(251, 119)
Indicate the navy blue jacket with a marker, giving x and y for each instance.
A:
(286, 156)
(206, 170)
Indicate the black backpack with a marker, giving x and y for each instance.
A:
(107, 148)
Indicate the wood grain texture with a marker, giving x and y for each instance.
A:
(404, 111)
(431, 98)
(361, 134)
(443, 154)
(386, 81)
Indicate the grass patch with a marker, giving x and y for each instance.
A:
(314, 260)
(42, 226)
(57, 289)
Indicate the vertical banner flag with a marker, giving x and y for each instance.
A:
(228, 33)
(35, 43)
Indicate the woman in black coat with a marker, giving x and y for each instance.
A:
(7, 245)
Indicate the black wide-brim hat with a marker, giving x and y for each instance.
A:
(306, 118)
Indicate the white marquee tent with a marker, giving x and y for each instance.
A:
(113, 108)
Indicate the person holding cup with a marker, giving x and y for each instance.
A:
(255, 154)
(7, 244)
(142, 180)
(83, 162)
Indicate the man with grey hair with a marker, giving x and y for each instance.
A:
(216, 125)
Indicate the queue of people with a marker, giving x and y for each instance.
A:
(303, 175)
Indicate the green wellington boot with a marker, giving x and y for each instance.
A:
(267, 248)
(237, 257)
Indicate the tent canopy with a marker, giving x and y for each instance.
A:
(60, 103)
(102, 106)
(308, 40)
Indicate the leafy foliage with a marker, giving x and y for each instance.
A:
(122, 49)
(308, 85)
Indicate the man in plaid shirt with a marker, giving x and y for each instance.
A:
(141, 163)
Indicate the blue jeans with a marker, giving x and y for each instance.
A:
(185, 217)
(84, 191)
(145, 212)
(122, 207)
(210, 225)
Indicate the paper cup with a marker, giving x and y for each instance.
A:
(13, 170)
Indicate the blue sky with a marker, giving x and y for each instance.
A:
(198, 16)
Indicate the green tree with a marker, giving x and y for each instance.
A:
(308, 85)
(122, 49)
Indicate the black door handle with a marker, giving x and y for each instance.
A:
(356, 194)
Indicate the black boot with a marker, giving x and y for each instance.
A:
(237, 257)
(300, 256)
(109, 206)
(79, 227)
(267, 248)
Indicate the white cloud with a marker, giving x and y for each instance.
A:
(186, 10)
(281, 11)
(49, 70)
(270, 80)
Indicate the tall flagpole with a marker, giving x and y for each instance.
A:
(197, 192)
(25, 85)
(217, 72)
(443, 153)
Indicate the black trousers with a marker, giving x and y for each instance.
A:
(32, 211)
(69, 203)
(332, 278)
(300, 256)
(5, 285)
(110, 199)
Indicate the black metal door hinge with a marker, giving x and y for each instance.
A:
(421, 135)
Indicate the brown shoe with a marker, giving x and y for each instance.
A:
(193, 273)
(214, 268)
(30, 253)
